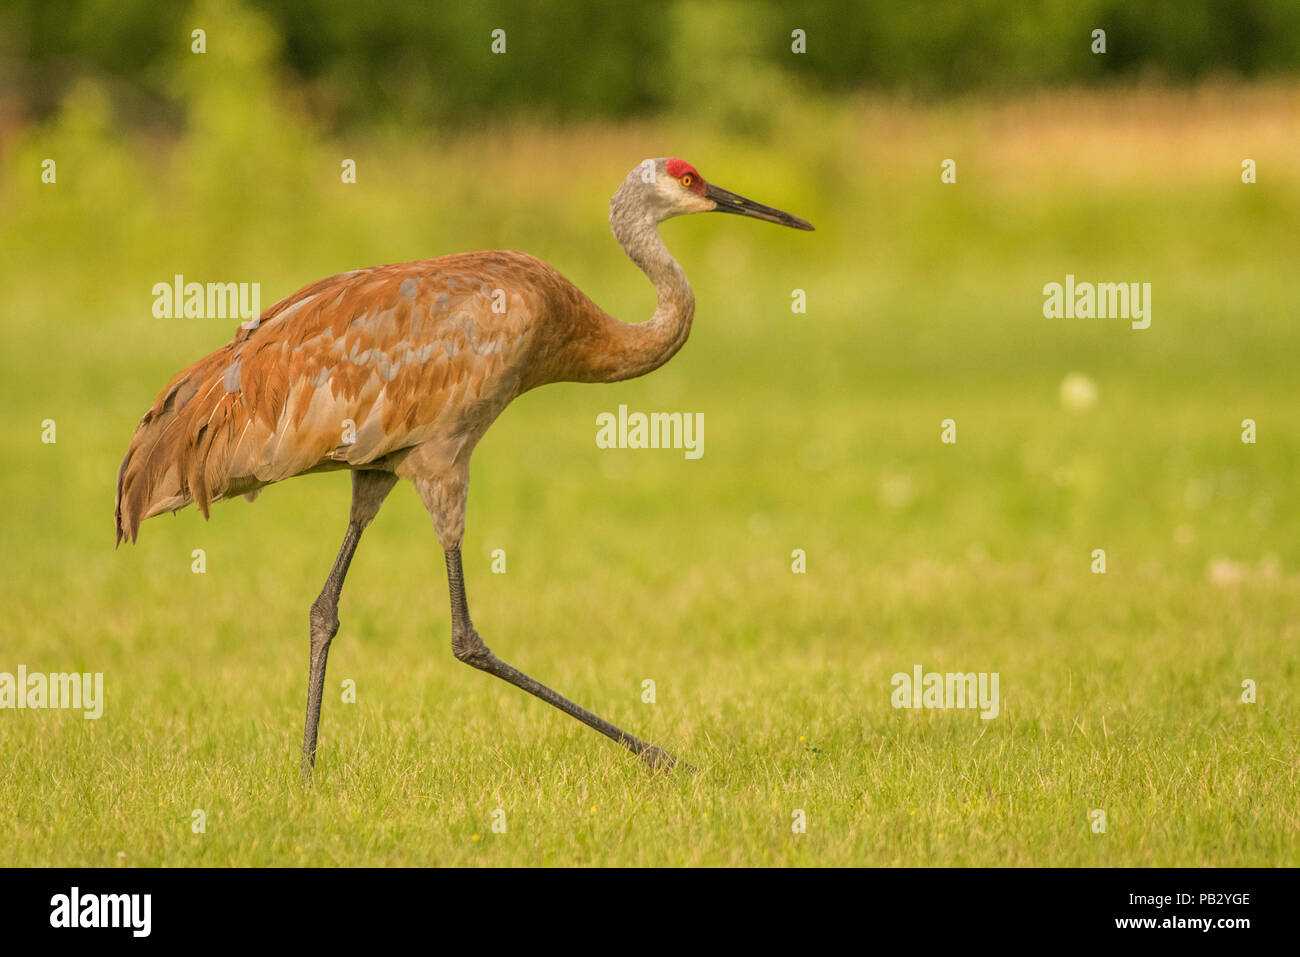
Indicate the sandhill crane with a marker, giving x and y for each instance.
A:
(396, 372)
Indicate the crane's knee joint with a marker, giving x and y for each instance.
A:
(468, 647)
(324, 620)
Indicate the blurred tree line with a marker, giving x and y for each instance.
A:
(388, 61)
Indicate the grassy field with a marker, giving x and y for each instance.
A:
(1120, 692)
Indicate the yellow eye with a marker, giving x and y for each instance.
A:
(687, 180)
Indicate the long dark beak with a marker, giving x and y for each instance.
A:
(729, 202)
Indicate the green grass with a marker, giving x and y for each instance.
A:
(1119, 692)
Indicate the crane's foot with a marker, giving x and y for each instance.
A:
(661, 760)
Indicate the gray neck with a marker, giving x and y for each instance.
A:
(648, 345)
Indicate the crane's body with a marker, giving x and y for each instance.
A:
(398, 367)
(397, 372)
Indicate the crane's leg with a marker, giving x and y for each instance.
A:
(446, 503)
(369, 489)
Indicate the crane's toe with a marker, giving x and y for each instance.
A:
(661, 760)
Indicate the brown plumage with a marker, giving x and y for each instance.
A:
(357, 369)
(397, 372)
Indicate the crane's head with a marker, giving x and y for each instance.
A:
(663, 188)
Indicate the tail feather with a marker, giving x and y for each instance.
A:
(179, 453)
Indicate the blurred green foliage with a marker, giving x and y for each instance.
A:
(414, 62)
